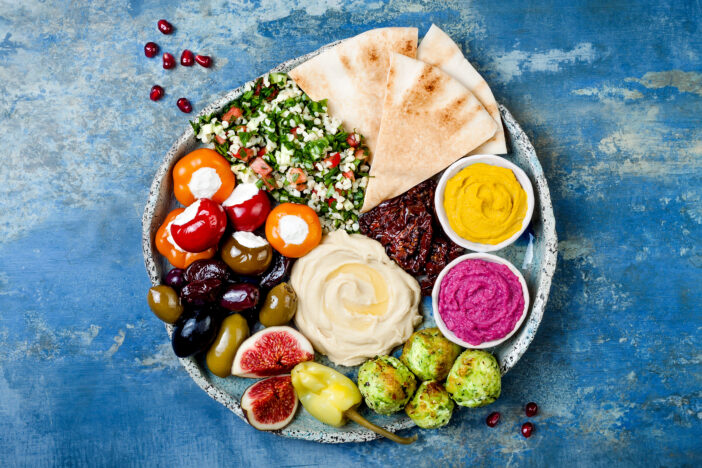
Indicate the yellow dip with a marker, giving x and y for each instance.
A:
(485, 204)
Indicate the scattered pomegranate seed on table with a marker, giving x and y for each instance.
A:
(531, 409)
(527, 428)
(204, 60)
(150, 49)
(168, 61)
(156, 93)
(184, 105)
(165, 27)
(187, 59)
(492, 419)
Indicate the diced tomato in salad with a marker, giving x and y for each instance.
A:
(294, 130)
(349, 175)
(352, 140)
(261, 151)
(220, 139)
(298, 178)
(244, 154)
(233, 113)
(269, 182)
(333, 160)
(360, 153)
(273, 95)
(261, 167)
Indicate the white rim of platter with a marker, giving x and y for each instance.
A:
(437, 289)
(491, 160)
(161, 201)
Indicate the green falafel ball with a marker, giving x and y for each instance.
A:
(431, 406)
(429, 355)
(386, 384)
(474, 379)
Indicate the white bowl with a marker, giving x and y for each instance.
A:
(492, 160)
(435, 300)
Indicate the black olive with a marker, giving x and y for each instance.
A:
(251, 316)
(246, 279)
(199, 293)
(176, 279)
(278, 272)
(239, 297)
(195, 331)
(207, 269)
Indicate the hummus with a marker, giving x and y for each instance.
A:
(354, 303)
(480, 301)
(485, 204)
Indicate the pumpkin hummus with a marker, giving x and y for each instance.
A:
(485, 204)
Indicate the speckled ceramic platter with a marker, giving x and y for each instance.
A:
(534, 253)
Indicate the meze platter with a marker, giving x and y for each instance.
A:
(357, 242)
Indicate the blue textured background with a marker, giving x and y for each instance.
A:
(610, 92)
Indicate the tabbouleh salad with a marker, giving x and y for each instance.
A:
(277, 137)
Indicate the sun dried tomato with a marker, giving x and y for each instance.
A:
(443, 251)
(406, 227)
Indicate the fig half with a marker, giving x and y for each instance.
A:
(272, 351)
(270, 404)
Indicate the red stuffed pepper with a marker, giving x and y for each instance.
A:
(200, 226)
(247, 207)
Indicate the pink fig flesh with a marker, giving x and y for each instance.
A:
(270, 404)
(272, 351)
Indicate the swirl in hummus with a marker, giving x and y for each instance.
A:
(354, 303)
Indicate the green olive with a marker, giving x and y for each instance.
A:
(165, 303)
(233, 331)
(247, 253)
(280, 306)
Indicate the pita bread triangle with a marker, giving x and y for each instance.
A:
(429, 121)
(438, 49)
(352, 76)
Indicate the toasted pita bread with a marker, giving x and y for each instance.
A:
(352, 76)
(429, 121)
(438, 49)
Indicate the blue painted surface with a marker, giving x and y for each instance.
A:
(609, 91)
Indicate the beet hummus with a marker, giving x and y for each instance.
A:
(480, 301)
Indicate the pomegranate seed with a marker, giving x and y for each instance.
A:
(527, 428)
(168, 61)
(150, 49)
(187, 59)
(492, 419)
(165, 27)
(184, 105)
(204, 60)
(531, 409)
(156, 93)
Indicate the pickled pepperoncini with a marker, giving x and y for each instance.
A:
(332, 398)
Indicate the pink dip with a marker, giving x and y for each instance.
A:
(480, 301)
